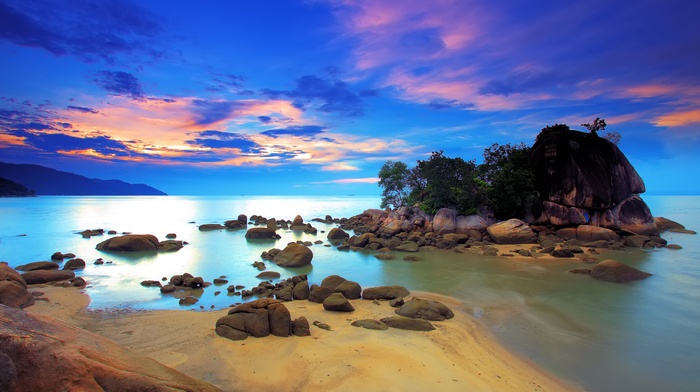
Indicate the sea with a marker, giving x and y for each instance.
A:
(640, 336)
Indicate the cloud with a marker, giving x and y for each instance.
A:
(306, 131)
(120, 83)
(329, 95)
(217, 139)
(82, 109)
(366, 180)
(207, 112)
(89, 30)
(265, 119)
(340, 166)
(679, 118)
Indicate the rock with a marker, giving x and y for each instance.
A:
(261, 233)
(614, 271)
(370, 324)
(170, 246)
(46, 276)
(220, 281)
(13, 289)
(171, 236)
(425, 309)
(151, 283)
(268, 275)
(589, 233)
(284, 294)
(636, 241)
(385, 292)
(73, 359)
(408, 323)
(562, 253)
(211, 227)
(300, 327)
(294, 255)
(633, 215)
(78, 282)
(337, 234)
(349, 289)
(298, 221)
(336, 302)
(407, 246)
(332, 281)
(385, 256)
(322, 325)
(280, 320)
(411, 258)
(188, 301)
(512, 231)
(57, 256)
(319, 294)
(580, 169)
(674, 246)
(74, 264)
(38, 265)
(396, 302)
(445, 221)
(301, 290)
(235, 224)
(582, 271)
(129, 243)
(469, 223)
(489, 251)
(168, 288)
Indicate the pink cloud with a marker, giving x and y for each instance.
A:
(366, 180)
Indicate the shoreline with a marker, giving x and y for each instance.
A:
(459, 355)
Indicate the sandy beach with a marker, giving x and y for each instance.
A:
(458, 355)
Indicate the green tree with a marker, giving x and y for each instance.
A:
(510, 180)
(441, 181)
(553, 128)
(393, 177)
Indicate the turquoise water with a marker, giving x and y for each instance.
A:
(641, 336)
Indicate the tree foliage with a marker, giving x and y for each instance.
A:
(393, 178)
(597, 125)
(613, 137)
(552, 128)
(510, 180)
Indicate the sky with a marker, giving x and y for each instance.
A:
(312, 97)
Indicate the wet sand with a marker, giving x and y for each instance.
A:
(458, 355)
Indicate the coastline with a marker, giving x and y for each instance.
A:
(458, 355)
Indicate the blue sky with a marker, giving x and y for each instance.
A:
(312, 97)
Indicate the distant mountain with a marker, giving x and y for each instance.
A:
(46, 181)
(12, 189)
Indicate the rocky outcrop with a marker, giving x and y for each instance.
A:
(337, 234)
(336, 302)
(37, 265)
(39, 353)
(294, 255)
(261, 233)
(259, 319)
(385, 292)
(13, 289)
(410, 324)
(211, 227)
(137, 243)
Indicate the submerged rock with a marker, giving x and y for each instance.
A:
(617, 272)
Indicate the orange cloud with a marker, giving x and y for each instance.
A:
(366, 180)
(679, 118)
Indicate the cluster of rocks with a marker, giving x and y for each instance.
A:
(409, 229)
(183, 282)
(295, 254)
(268, 315)
(14, 286)
(139, 243)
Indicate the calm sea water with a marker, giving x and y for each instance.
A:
(643, 336)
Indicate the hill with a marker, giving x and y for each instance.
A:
(12, 189)
(47, 181)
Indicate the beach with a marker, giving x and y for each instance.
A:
(458, 355)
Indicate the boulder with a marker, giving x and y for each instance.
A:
(385, 292)
(633, 215)
(300, 327)
(171, 236)
(410, 324)
(587, 233)
(465, 224)
(280, 320)
(337, 234)
(74, 264)
(301, 290)
(13, 289)
(46, 276)
(129, 243)
(336, 302)
(298, 221)
(425, 309)
(294, 255)
(636, 241)
(211, 227)
(512, 231)
(318, 294)
(581, 169)
(251, 318)
(261, 233)
(37, 265)
(39, 353)
(235, 224)
(407, 246)
(445, 221)
(614, 271)
(170, 246)
(349, 289)
(268, 275)
(370, 324)
(332, 281)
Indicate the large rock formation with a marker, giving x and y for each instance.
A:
(13, 289)
(584, 179)
(138, 243)
(294, 255)
(38, 353)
